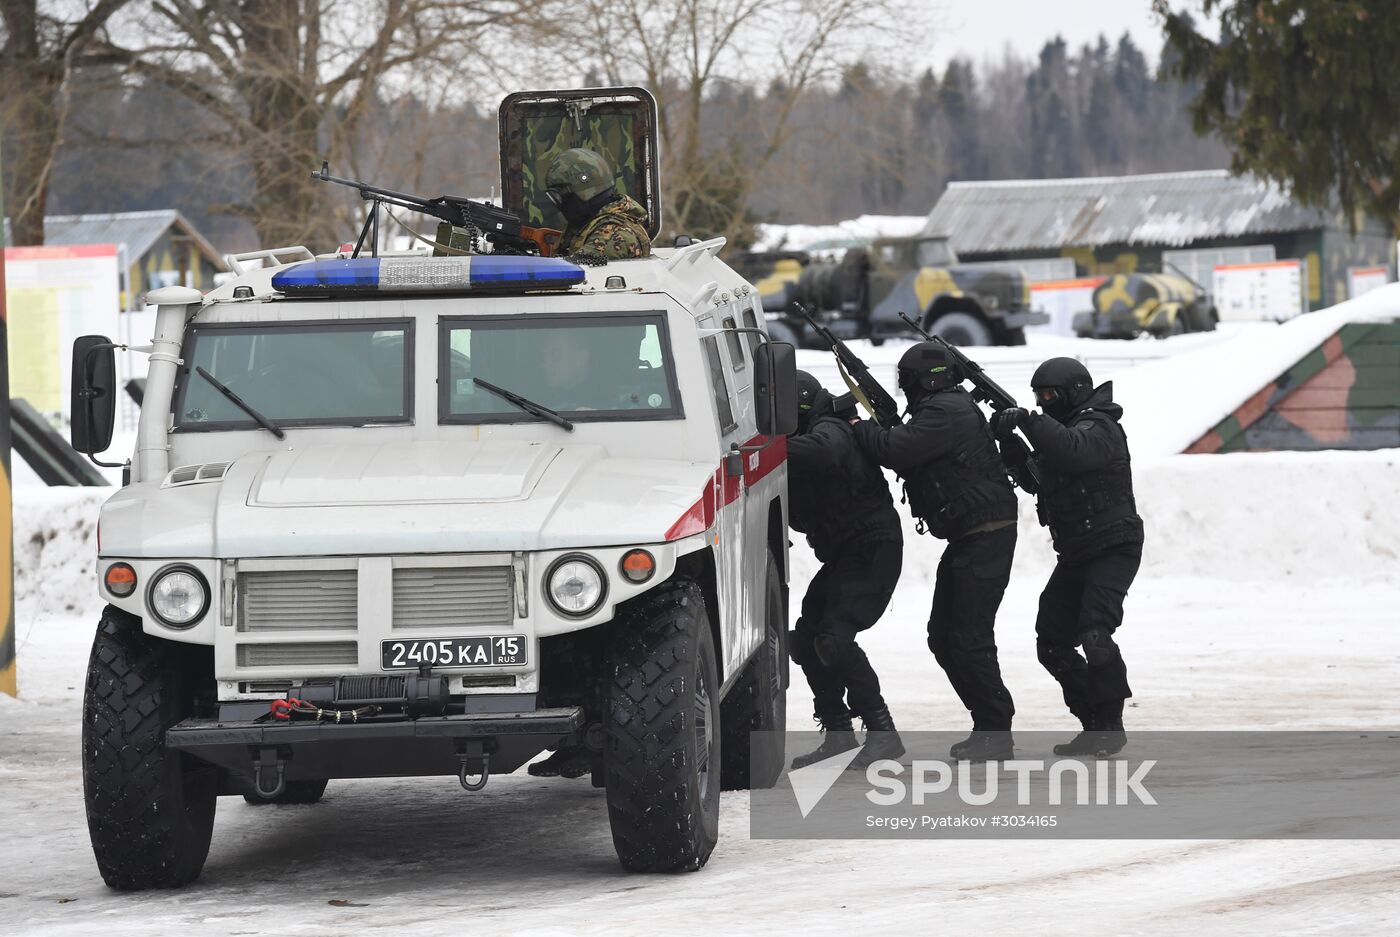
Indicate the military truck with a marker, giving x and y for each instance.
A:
(862, 294)
(1127, 305)
(410, 515)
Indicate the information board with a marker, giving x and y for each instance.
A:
(1063, 300)
(55, 294)
(1262, 291)
(1361, 280)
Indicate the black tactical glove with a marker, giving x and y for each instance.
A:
(1004, 421)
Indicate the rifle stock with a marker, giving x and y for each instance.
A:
(1016, 455)
(863, 386)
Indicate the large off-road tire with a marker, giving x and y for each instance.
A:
(758, 703)
(959, 328)
(296, 792)
(150, 810)
(661, 753)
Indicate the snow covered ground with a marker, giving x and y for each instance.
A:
(1267, 600)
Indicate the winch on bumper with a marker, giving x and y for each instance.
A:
(359, 726)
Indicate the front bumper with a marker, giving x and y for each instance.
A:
(427, 745)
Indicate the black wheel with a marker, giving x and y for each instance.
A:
(661, 754)
(758, 703)
(296, 792)
(150, 811)
(959, 328)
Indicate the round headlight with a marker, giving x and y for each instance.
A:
(575, 586)
(179, 596)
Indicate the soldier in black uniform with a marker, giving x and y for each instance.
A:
(839, 498)
(957, 487)
(1086, 499)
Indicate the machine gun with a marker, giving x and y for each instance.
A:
(863, 386)
(501, 228)
(1015, 454)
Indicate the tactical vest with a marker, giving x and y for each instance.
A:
(1082, 509)
(843, 506)
(957, 492)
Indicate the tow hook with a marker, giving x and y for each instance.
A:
(474, 750)
(268, 763)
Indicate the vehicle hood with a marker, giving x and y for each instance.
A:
(422, 497)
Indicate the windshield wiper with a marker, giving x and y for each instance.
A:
(241, 404)
(529, 406)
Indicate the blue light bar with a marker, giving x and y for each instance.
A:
(427, 275)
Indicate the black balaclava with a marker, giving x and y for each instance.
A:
(812, 400)
(577, 212)
(926, 368)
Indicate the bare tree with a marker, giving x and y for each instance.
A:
(691, 51)
(290, 81)
(38, 56)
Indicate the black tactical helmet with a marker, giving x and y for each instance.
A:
(927, 367)
(809, 395)
(1061, 385)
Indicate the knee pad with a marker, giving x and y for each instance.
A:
(800, 648)
(1056, 658)
(830, 649)
(1099, 647)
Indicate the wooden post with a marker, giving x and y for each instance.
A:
(8, 677)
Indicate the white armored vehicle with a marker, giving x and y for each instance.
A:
(412, 515)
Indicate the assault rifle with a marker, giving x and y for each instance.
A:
(1015, 454)
(503, 229)
(866, 390)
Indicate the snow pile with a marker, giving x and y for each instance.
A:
(56, 548)
(796, 237)
(1247, 516)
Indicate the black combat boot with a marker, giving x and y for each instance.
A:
(1103, 733)
(881, 739)
(839, 736)
(983, 745)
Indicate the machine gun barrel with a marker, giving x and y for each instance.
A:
(863, 386)
(1016, 455)
(500, 227)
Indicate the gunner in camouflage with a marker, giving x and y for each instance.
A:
(601, 221)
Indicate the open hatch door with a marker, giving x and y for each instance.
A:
(536, 126)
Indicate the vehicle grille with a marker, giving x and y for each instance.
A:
(317, 600)
(299, 654)
(452, 596)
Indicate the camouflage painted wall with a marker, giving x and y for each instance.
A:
(1344, 394)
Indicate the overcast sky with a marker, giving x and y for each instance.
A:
(982, 29)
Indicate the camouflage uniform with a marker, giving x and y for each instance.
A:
(617, 232)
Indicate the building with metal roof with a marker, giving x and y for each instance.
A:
(1121, 224)
(161, 248)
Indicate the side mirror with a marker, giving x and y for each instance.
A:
(94, 400)
(775, 388)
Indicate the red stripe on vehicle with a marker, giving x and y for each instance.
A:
(757, 465)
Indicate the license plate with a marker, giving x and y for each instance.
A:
(478, 651)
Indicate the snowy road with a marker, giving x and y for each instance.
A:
(1260, 645)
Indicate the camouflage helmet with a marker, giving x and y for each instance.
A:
(581, 171)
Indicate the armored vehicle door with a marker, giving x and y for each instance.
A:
(536, 126)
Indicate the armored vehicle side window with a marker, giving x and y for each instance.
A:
(751, 322)
(722, 405)
(736, 347)
(585, 367)
(349, 372)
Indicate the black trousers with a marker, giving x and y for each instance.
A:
(846, 596)
(972, 576)
(1083, 605)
